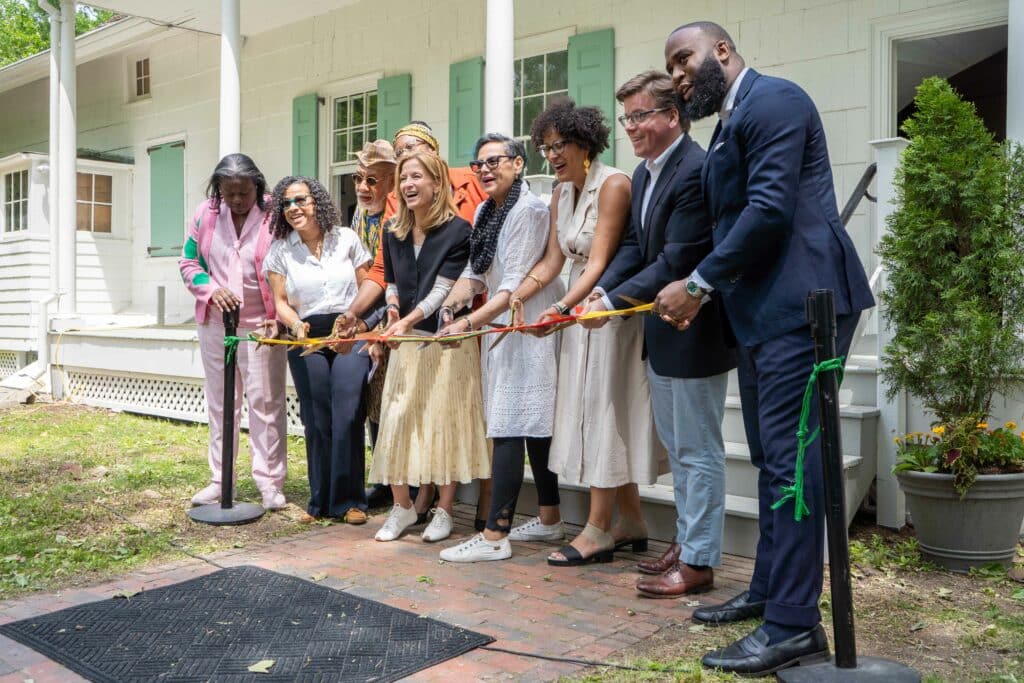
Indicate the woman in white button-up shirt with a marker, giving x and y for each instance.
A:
(315, 268)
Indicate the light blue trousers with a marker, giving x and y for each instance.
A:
(688, 415)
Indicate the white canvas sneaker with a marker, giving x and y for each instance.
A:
(273, 499)
(208, 496)
(536, 530)
(478, 549)
(440, 526)
(399, 519)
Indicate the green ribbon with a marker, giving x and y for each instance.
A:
(231, 345)
(795, 492)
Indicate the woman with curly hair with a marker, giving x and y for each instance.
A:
(604, 434)
(315, 268)
(432, 430)
(221, 265)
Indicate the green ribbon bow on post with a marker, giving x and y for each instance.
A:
(795, 492)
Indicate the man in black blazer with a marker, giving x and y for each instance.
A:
(768, 187)
(669, 234)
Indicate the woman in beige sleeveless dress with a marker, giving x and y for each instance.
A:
(604, 433)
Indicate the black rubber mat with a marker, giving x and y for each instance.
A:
(215, 627)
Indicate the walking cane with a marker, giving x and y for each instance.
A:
(226, 512)
(845, 666)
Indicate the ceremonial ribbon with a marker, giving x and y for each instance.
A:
(795, 491)
(231, 342)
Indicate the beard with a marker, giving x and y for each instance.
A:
(708, 91)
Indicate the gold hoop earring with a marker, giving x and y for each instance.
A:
(586, 166)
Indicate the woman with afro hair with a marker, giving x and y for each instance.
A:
(604, 435)
(315, 268)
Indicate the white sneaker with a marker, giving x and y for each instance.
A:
(536, 530)
(273, 498)
(440, 526)
(478, 549)
(208, 496)
(399, 519)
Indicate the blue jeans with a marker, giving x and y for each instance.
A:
(688, 416)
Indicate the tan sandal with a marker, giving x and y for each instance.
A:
(573, 558)
(630, 532)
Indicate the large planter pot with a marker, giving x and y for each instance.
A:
(981, 529)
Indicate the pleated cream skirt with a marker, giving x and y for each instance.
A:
(432, 422)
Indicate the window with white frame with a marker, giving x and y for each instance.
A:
(353, 121)
(15, 201)
(141, 78)
(95, 202)
(538, 80)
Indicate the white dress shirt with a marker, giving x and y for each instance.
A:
(324, 285)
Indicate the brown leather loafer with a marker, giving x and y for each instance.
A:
(681, 579)
(355, 516)
(663, 563)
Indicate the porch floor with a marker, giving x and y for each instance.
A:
(528, 606)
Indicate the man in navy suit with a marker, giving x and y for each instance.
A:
(669, 234)
(777, 236)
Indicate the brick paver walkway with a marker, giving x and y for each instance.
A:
(528, 606)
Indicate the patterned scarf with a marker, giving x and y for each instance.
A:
(369, 231)
(483, 241)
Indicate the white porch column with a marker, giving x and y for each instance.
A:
(1015, 71)
(53, 177)
(230, 79)
(892, 421)
(499, 67)
(68, 158)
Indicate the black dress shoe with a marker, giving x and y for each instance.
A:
(752, 656)
(378, 496)
(736, 609)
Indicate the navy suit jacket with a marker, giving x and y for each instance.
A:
(768, 187)
(676, 237)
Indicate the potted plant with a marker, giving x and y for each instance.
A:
(954, 256)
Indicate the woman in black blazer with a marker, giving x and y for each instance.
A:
(432, 426)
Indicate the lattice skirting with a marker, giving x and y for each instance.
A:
(175, 398)
(8, 363)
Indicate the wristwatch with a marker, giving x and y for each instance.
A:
(695, 290)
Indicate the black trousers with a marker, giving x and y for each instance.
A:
(507, 477)
(330, 390)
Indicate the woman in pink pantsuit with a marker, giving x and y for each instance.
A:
(222, 266)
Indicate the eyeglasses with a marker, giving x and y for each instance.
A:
(409, 148)
(301, 201)
(358, 179)
(638, 117)
(558, 146)
(491, 162)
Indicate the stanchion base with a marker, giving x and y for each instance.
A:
(869, 669)
(239, 513)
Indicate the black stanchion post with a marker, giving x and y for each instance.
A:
(228, 512)
(845, 666)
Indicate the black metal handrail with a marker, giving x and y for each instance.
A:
(858, 192)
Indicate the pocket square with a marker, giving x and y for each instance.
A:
(717, 145)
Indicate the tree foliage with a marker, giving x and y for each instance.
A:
(26, 28)
(955, 261)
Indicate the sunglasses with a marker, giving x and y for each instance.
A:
(301, 201)
(491, 162)
(638, 117)
(558, 146)
(408, 149)
(358, 179)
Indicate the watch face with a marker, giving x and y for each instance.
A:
(692, 288)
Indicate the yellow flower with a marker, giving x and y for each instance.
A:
(1010, 425)
(939, 430)
(983, 425)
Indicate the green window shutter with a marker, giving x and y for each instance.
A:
(465, 109)
(394, 105)
(592, 77)
(304, 135)
(166, 199)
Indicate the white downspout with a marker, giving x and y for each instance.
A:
(230, 79)
(53, 177)
(68, 155)
(1015, 71)
(499, 67)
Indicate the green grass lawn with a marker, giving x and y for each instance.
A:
(88, 493)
